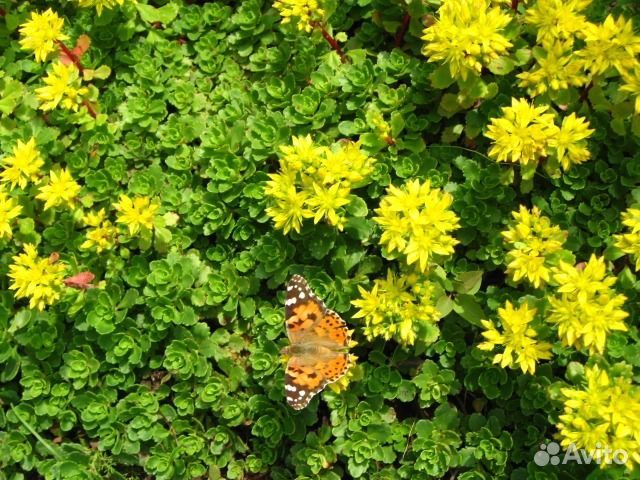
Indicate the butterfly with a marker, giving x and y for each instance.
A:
(319, 340)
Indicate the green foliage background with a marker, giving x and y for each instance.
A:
(173, 369)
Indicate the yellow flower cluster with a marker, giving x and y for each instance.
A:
(38, 279)
(557, 68)
(522, 133)
(416, 221)
(526, 133)
(315, 182)
(61, 189)
(518, 337)
(467, 35)
(557, 19)
(603, 418)
(9, 209)
(137, 213)
(102, 234)
(304, 12)
(586, 308)
(533, 241)
(629, 242)
(42, 33)
(63, 87)
(23, 166)
(397, 307)
(559, 65)
(100, 4)
(610, 44)
(569, 142)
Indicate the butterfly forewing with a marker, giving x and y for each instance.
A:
(332, 327)
(302, 308)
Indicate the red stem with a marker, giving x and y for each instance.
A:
(402, 30)
(76, 61)
(72, 56)
(514, 5)
(331, 41)
(89, 108)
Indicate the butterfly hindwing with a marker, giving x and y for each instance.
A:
(303, 382)
(335, 368)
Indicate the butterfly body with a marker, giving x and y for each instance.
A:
(319, 342)
(312, 349)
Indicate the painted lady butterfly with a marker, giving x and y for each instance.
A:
(319, 341)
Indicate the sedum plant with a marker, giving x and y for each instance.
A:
(457, 180)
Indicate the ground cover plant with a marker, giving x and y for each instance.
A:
(457, 179)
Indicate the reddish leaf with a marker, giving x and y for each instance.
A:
(81, 281)
(82, 45)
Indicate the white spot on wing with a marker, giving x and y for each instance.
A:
(291, 388)
(301, 295)
(290, 301)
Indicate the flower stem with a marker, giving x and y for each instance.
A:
(584, 95)
(402, 30)
(72, 56)
(89, 108)
(331, 41)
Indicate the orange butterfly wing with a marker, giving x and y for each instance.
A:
(302, 309)
(332, 327)
(309, 321)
